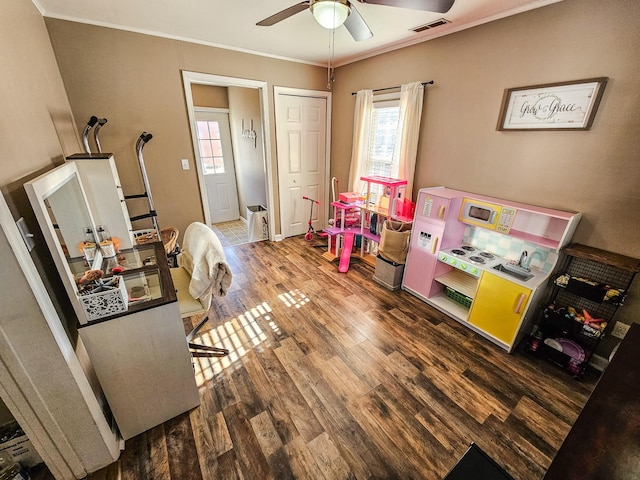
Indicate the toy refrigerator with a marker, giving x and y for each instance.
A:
(435, 227)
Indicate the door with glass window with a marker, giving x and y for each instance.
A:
(215, 154)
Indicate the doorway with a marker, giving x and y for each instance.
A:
(249, 127)
(215, 157)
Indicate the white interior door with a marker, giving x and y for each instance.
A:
(215, 154)
(301, 135)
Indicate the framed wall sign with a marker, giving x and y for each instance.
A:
(554, 106)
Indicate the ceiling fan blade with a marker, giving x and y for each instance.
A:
(440, 6)
(286, 13)
(356, 25)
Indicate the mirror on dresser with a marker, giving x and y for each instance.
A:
(60, 205)
(131, 317)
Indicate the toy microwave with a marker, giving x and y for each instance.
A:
(488, 215)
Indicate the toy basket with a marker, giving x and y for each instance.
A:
(169, 237)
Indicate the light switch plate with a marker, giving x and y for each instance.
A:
(26, 235)
(185, 164)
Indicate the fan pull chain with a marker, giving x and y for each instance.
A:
(330, 70)
(332, 77)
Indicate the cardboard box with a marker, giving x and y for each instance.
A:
(388, 274)
(18, 445)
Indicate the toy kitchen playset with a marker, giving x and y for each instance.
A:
(484, 261)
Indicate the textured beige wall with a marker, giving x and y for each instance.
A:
(36, 127)
(210, 96)
(135, 81)
(36, 124)
(594, 172)
(251, 174)
(36, 131)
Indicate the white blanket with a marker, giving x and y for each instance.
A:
(203, 257)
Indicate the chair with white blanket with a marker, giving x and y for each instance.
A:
(202, 273)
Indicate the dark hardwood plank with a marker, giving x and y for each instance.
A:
(544, 424)
(157, 461)
(332, 376)
(246, 447)
(328, 457)
(373, 416)
(294, 402)
(207, 442)
(302, 461)
(181, 446)
(266, 434)
(248, 397)
(355, 445)
(229, 467)
(132, 457)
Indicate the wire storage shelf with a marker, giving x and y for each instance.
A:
(585, 297)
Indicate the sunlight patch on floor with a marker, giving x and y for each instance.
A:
(294, 298)
(238, 335)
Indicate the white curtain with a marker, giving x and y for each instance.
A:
(411, 96)
(361, 124)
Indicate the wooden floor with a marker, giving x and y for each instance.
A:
(332, 376)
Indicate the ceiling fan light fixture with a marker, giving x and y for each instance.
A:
(330, 13)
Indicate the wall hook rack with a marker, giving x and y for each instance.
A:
(250, 133)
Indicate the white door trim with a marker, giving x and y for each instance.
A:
(210, 110)
(190, 78)
(300, 92)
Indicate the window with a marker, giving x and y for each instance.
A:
(386, 131)
(383, 134)
(210, 146)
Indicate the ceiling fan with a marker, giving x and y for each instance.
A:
(333, 13)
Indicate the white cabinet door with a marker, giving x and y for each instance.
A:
(144, 367)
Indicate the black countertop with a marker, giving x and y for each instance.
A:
(604, 442)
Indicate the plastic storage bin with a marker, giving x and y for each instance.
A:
(458, 297)
(257, 223)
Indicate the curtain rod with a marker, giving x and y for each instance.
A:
(430, 82)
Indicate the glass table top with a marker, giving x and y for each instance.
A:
(143, 286)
